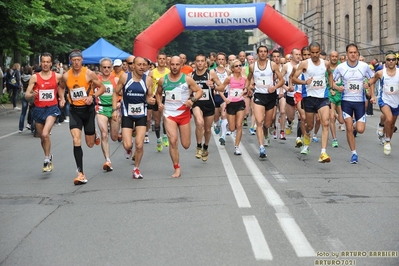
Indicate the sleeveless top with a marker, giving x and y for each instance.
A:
(78, 87)
(236, 89)
(134, 93)
(176, 94)
(47, 91)
(263, 78)
(106, 98)
(318, 87)
(287, 78)
(389, 91)
(207, 96)
(156, 76)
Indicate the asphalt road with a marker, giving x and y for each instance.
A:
(231, 210)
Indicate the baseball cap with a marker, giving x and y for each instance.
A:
(117, 62)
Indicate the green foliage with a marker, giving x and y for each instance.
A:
(35, 26)
(4, 98)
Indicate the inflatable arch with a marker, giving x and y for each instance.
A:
(217, 17)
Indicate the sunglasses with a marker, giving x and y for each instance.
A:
(237, 66)
(130, 63)
(391, 59)
(106, 67)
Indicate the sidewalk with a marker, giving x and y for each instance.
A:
(7, 108)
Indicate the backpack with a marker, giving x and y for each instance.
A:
(12, 79)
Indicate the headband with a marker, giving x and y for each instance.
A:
(75, 54)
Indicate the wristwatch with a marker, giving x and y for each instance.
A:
(193, 99)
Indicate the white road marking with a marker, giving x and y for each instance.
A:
(238, 190)
(291, 229)
(295, 235)
(13, 133)
(258, 242)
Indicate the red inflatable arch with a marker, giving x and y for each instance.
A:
(213, 17)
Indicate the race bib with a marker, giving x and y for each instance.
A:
(354, 86)
(109, 90)
(172, 96)
(318, 83)
(391, 88)
(205, 95)
(264, 82)
(46, 95)
(136, 109)
(78, 93)
(236, 93)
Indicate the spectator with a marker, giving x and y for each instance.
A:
(25, 77)
(13, 83)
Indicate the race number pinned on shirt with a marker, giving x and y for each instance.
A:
(391, 88)
(317, 83)
(264, 82)
(354, 86)
(46, 95)
(173, 96)
(109, 90)
(236, 93)
(78, 93)
(136, 109)
(205, 95)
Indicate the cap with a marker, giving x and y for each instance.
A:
(117, 62)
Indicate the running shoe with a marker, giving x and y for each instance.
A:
(315, 139)
(159, 145)
(216, 128)
(354, 159)
(146, 139)
(334, 143)
(134, 156)
(324, 158)
(198, 153)
(228, 133)
(305, 150)
(204, 155)
(97, 140)
(80, 179)
(262, 152)
(341, 127)
(282, 135)
(288, 128)
(137, 174)
(306, 139)
(107, 166)
(222, 140)
(119, 137)
(28, 126)
(48, 165)
(275, 133)
(128, 153)
(237, 151)
(165, 140)
(266, 141)
(245, 123)
(380, 134)
(355, 133)
(387, 148)
(298, 142)
(251, 131)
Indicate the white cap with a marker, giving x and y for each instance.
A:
(117, 62)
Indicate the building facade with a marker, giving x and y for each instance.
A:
(288, 9)
(371, 24)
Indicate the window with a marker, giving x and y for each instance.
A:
(329, 36)
(347, 29)
(369, 23)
